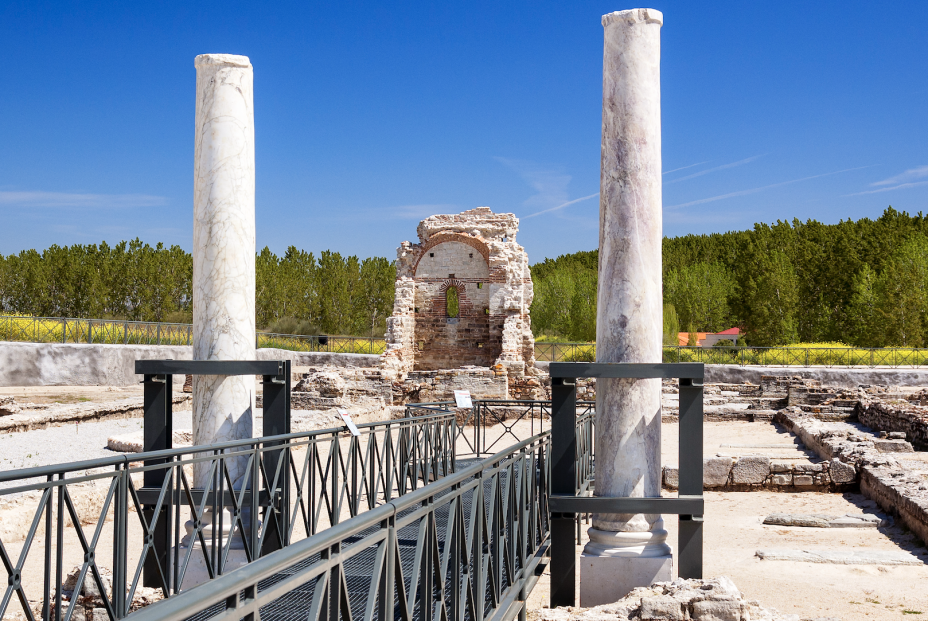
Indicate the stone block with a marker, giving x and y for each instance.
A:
(661, 609)
(893, 446)
(780, 466)
(815, 520)
(803, 480)
(842, 472)
(807, 468)
(607, 579)
(671, 477)
(781, 479)
(751, 469)
(715, 471)
(100, 614)
(726, 610)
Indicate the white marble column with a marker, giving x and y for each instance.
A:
(223, 262)
(626, 551)
(223, 248)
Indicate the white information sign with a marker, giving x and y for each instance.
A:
(462, 398)
(350, 423)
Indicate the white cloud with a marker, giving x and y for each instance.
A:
(717, 168)
(549, 182)
(760, 189)
(919, 172)
(895, 187)
(64, 199)
(550, 185)
(562, 205)
(667, 172)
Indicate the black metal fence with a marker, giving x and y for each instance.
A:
(117, 332)
(491, 424)
(467, 547)
(105, 331)
(801, 356)
(98, 515)
(785, 356)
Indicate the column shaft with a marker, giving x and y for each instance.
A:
(223, 250)
(626, 551)
(629, 308)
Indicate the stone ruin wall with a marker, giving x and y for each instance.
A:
(475, 252)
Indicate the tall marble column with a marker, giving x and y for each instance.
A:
(223, 276)
(626, 551)
(223, 250)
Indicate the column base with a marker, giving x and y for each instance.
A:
(607, 579)
(196, 573)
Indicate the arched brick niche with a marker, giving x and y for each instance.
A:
(444, 342)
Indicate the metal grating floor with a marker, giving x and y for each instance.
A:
(359, 569)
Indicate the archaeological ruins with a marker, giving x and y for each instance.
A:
(385, 496)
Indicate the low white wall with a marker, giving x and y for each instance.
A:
(847, 377)
(67, 364)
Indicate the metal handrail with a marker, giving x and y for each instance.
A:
(484, 563)
(330, 475)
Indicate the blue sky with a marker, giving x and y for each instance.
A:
(370, 117)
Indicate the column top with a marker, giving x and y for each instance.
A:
(630, 16)
(231, 60)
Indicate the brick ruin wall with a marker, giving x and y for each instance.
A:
(474, 255)
(444, 342)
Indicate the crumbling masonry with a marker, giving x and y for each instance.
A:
(462, 297)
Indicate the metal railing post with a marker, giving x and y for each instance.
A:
(563, 481)
(691, 476)
(157, 436)
(120, 551)
(276, 422)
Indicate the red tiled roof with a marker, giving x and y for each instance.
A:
(683, 338)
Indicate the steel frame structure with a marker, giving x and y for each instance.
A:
(467, 547)
(566, 499)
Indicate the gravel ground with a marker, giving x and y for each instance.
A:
(67, 443)
(71, 442)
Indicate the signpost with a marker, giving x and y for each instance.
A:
(348, 422)
(462, 399)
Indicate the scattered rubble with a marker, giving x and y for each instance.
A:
(9, 406)
(90, 600)
(717, 599)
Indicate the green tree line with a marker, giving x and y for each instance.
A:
(861, 282)
(296, 292)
